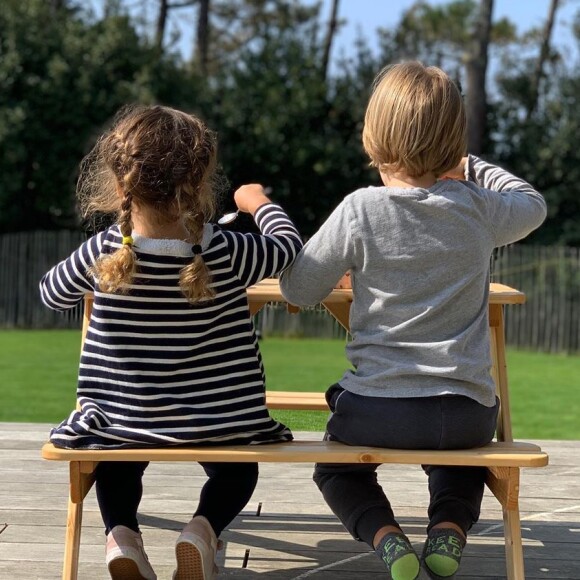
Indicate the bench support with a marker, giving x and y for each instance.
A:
(514, 552)
(72, 543)
(82, 477)
(504, 482)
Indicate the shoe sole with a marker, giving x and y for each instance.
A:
(189, 562)
(124, 569)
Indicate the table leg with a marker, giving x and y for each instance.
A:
(499, 371)
(341, 313)
(255, 307)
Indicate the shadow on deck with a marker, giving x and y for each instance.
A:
(294, 537)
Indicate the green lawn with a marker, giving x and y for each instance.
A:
(38, 370)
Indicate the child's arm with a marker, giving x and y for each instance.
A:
(63, 286)
(255, 257)
(517, 210)
(325, 258)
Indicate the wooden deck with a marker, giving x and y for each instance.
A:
(286, 532)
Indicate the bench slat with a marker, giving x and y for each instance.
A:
(296, 401)
(497, 454)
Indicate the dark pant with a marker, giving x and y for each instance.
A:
(226, 492)
(446, 422)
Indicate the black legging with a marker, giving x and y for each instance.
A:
(445, 422)
(226, 492)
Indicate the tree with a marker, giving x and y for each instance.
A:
(61, 79)
(256, 79)
(476, 70)
(163, 14)
(202, 37)
(161, 24)
(543, 148)
(281, 124)
(57, 5)
(330, 32)
(237, 25)
(542, 57)
(278, 121)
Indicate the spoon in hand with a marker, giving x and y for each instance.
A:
(228, 218)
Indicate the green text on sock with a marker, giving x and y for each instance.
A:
(443, 553)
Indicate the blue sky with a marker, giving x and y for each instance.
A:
(368, 15)
(365, 16)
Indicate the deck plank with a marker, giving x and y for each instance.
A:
(296, 536)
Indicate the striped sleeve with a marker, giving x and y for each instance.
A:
(516, 208)
(255, 257)
(65, 284)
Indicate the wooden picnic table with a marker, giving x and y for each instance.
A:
(338, 302)
(502, 458)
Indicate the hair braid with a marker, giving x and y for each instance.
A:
(195, 278)
(115, 271)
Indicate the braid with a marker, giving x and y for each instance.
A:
(195, 278)
(125, 223)
(115, 271)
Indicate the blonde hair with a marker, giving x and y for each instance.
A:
(415, 121)
(158, 158)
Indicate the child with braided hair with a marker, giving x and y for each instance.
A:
(171, 355)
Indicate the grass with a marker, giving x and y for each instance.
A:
(38, 370)
(544, 395)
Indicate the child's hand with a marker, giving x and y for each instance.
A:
(457, 172)
(250, 197)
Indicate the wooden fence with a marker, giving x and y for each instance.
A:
(24, 258)
(550, 277)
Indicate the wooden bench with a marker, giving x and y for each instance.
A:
(503, 459)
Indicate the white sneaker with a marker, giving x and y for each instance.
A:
(195, 551)
(125, 556)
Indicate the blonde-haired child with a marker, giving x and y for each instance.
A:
(418, 250)
(171, 356)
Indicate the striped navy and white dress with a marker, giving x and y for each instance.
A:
(157, 370)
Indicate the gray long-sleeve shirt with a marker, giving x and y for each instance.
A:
(419, 262)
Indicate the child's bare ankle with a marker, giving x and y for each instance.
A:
(449, 525)
(383, 532)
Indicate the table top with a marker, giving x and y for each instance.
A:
(268, 290)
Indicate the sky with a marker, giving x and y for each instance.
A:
(368, 15)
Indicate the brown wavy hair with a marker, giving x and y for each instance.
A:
(162, 159)
(415, 121)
